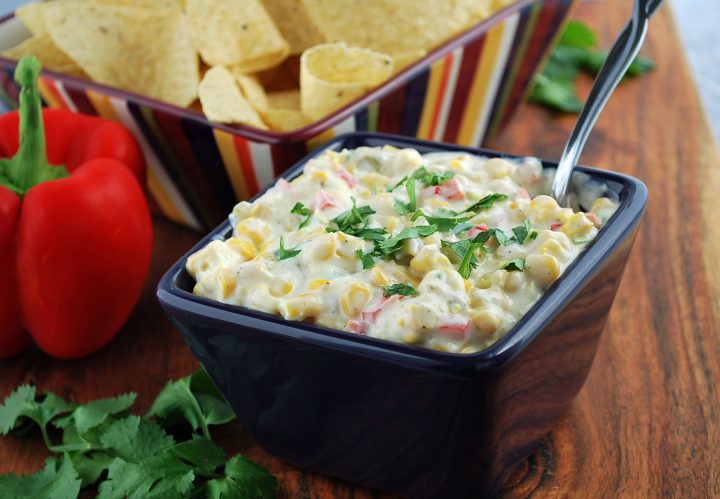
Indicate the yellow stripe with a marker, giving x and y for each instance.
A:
(481, 81)
(104, 108)
(226, 145)
(320, 139)
(47, 94)
(162, 199)
(431, 97)
(102, 105)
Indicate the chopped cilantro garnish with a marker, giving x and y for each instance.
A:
(431, 178)
(462, 228)
(444, 224)
(366, 259)
(517, 264)
(521, 233)
(301, 209)
(400, 289)
(533, 235)
(283, 253)
(485, 202)
(354, 222)
(370, 233)
(465, 251)
(581, 240)
(409, 207)
(393, 244)
(401, 182)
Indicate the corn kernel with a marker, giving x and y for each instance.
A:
(498, 168)
(552, 248)
(601, 204)
(255, 229)
(319, 175)
(318, 284)
(577, 225)
(439, 203)
(487, 319)
(300, 307)
(378, 277)
(543, 268)
(376, 180)
(244, 247)
(281, 287)
(411, 337)
(354, 298)
(469, 350)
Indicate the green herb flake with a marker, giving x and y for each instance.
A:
(409, 207)
(445, 224)
(485, 203)
(366, 259)
(388, 247)
(301, 209)
(284, 254)
(533, 235)
(516, 264)
(431, 178)
(521, 233)
(400, 289)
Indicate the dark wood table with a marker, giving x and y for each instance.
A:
(646, 423)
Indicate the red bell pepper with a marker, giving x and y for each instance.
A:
(75, 240)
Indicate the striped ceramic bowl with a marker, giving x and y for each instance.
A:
(463, 92)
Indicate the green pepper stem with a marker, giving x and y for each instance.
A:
(30, 165)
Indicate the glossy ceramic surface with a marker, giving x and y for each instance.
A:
(405, 419)
(463, 92)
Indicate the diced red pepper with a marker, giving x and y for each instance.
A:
(358, 327)
(593, 218)
(555, 226)
(370, 315)
(347, 177)
(478, 229)
(322, 200)
(522, 194)
(456, 324)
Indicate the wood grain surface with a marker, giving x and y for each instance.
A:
(647, 422)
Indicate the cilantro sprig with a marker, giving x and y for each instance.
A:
(575, 51)
(516, 264)
(402, 289)
(126, 455)
(301, 209)
(354, 222)
(283, 253)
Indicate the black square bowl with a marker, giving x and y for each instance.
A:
(406, 419)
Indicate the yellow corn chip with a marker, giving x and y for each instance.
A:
(283, 111)
(31, 16)
(389, 26)
(50, 56)
(147, 51)
(331, 75)
(295, 24)
(238, 33)
(401, 60)
(252, 90)
(222, 101)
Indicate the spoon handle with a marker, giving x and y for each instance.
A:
(621, 55)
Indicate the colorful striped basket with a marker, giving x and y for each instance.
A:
(462, 92)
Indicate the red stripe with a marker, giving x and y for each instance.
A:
(246, 165)
(391, 111)
(448, 60)
(471, 58)
(50, 86)
(285, 155)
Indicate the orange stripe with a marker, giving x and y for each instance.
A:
(246, 164)
(50, 94)
(441, 93)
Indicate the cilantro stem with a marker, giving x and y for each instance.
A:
(46, 437)
(82, 448)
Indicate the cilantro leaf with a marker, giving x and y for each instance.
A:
(94, 413)
(400, 182)
(521, 233)
(284, 254)
(431, 178)
(391, 245)
(301, 209)
(366, 259)
(575, 51)
(194, 399)
(22, 408)
(516, 264)
(133, 438)
(370, 233)
(409, 207)
(533, 235)
(58, 480)
(203, 454)
(90, 466)
(163, 475)
(355, 215)
(400, 289)
(485, 202)
(243, 480)
(446, 224)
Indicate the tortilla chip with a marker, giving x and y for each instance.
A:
(285, 76)
(252, 90)
(401, 60)
(388, 26)
(222, 100)
(147, 51)
(333, 74)
(283, 111)
(237, 33)
(31, 16)
(295, 24)
(49, 55)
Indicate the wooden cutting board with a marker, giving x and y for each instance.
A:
(647, 422)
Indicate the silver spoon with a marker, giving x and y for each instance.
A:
(621, 55)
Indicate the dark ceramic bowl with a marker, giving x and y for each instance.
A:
(405, 419)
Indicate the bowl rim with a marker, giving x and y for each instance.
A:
(633, 198)
(314, 128)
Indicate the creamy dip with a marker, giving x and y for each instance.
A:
(443, 250)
